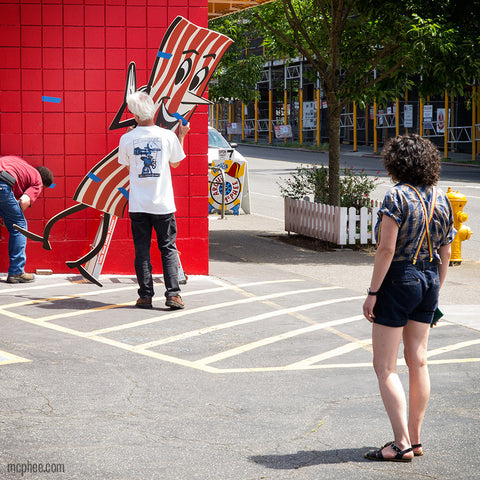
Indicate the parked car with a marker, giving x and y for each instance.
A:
(219, 149)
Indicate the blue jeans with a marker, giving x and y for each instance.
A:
(166, 229)
(11, 213)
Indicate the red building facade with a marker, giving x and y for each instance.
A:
(78, 51)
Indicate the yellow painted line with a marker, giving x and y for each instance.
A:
(327, 366)
(91, 310)
(107, 341)
(243, 321)
(30, 287)
(453, 360)
(207, 368)
(450, 348)
(336, 352)
(8, 358)
(205, 308)
(277, 338)
(66, 297)
(272, 282)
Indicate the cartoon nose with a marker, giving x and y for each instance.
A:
(191, 98)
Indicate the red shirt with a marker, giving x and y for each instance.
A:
(28, 179)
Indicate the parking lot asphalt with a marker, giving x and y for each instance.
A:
(266, 374)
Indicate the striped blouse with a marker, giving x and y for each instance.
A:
(403, 205)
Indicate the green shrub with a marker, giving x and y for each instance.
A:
(355, 188)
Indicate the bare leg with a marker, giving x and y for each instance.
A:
(386, 342)
(415, 340)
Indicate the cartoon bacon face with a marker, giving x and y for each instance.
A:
(185, 61)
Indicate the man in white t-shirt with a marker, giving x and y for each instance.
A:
(149, 151)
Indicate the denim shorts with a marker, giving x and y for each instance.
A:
(408, 292)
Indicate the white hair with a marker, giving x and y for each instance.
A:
(141, 104)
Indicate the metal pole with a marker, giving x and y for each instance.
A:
(445, 136)
(421, 116)
(354, 126)
(474, 116)
(397, 117)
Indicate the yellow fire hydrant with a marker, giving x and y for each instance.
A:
(458, 201)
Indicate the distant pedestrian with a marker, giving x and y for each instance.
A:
(415, 230)
(20, 186)
(149, 151)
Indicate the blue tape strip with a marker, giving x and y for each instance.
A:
(123, 192)
(93, 177)
(52, 185)
(165, 55)
(51, 99)
(179, 117)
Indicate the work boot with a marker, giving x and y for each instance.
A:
(22, 278)
(175, 303)
(144, 302)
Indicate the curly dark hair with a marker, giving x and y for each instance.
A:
(412, 159)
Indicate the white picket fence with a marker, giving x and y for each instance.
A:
(339, 225)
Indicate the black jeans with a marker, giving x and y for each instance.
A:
(166, 230)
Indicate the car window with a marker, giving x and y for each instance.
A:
(216, 140)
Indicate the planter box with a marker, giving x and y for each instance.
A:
(339, 225)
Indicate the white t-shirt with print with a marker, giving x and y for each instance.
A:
(148, 151)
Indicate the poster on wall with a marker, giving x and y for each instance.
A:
(408, 116)
(309, 115)
(234, 128)
(428, 117)
(283, 131)
(441, 120)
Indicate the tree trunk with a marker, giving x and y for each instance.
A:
(333, 151)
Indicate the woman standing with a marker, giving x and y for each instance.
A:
(415, 230)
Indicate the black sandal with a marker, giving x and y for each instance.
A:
(418, 454)
(377, 454)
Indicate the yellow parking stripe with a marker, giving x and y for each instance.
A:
(243, 321)
(283, 336)
(205, 308)
(8, 358)
(336, 352)
(450, 348)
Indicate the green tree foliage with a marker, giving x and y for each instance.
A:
(365, 49)
(238, 72)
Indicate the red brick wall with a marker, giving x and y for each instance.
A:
(79, 50)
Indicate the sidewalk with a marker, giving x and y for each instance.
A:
(249, 241)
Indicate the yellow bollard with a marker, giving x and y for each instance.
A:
(458, 201)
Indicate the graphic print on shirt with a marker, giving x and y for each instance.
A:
(148, 156)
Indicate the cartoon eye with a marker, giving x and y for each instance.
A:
(183, 71)
(198, 78)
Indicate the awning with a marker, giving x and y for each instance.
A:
(220, 8)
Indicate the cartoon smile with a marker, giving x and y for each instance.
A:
(168, 120)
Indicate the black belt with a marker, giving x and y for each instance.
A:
(7, 178)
